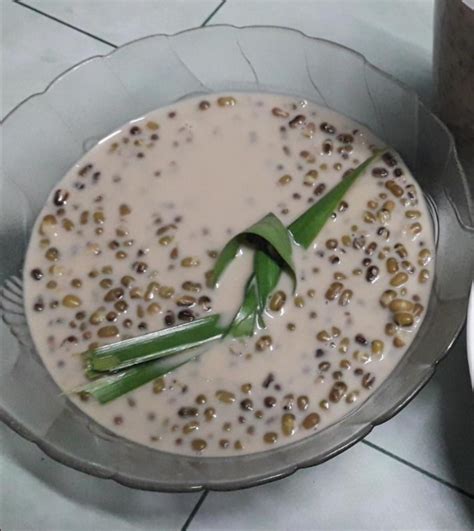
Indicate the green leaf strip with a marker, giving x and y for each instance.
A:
(115, 385)
(306, 228)
(270, 232)
(162, 343)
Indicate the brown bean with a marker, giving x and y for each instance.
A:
(387, 297)
(345, 364)
(368, 380)
(344, 345)
(361, 356)
(380, 172)
(186, 301)
(400, 305)
(191, 426)
(165, 240)
(288, 424)
(400, 249)
(166, 292)
(210, 414)
(124, 210)
(71, 301)
(299, 301)
(192, 286)
(345, 297)
(204, 105)
(408, 266)
(285, 179)
(246, 388)
(136, 293)
(226, 101)
(352, 397)
(323, 335)
(383, 216)
(98, 217)
(337, 391)
(263, 343)
(152, 309)
(418, 309)
(389, 205)
(396, 190)
(186, 315)
(377, 347)
(114, 294)
(198, 444)
(108, 331)
(334, 291)
(423, 276)
(415, 228)
(190, 261)
(311, 421)
(424, 257)
(277, 301)
(309, 130)
(246, 404)
(392, 265)
(98, 316)
(327, 128)
(298, 121)
(399, 279)
(159, 385)
(302, 402)
(390, 329)
(225, 396)
(52, 254)
(310, 177)
(127, 281)
(270, 437)
(60, 197)
(403, 319)
(324, 404)
(188, 412)
(327, 147)
(280, 113)
(151, 291)
(398, 342)
(368, 217)
(372, 274)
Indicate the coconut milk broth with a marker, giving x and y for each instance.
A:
(124, 242)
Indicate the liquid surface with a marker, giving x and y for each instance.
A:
(123, 245)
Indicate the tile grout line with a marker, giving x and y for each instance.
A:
(64, 23)
(443, 482)
(195, 510)
(460, 490)
(211, 15)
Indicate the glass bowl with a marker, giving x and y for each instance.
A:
(48, 132)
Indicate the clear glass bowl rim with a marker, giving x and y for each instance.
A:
(268, 474)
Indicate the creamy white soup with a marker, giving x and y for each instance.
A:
(126, 241)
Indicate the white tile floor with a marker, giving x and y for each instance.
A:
(414, 472)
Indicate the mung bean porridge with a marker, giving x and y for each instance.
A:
(126, 241)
